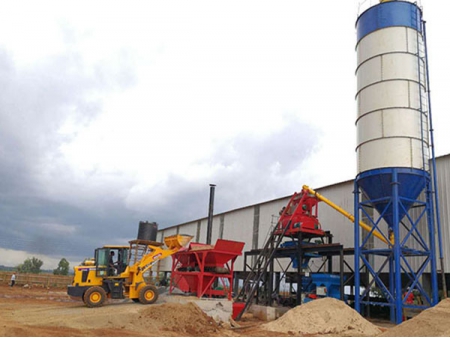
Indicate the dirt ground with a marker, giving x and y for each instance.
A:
(49, 312)
(41, 312)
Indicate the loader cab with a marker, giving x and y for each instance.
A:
(119, 258)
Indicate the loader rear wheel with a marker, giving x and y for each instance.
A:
(148, 294)
(94, 296)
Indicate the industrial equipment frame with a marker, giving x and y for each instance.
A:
(398, 255)
(397, 207)
(327, 250)
(198, 266)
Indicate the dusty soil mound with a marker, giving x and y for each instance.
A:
(326, 316)
(433, 322)
(187, 318)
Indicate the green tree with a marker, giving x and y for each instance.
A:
(63, 268)
(30, 265)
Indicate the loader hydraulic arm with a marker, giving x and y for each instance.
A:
(156, 253)
(347, 214)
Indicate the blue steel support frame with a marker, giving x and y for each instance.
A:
(410, 243)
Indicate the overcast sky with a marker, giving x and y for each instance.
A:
(114, 112)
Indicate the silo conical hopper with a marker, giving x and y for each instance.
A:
(377, 185)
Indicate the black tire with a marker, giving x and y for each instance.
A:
(94, 296)
(148, 294)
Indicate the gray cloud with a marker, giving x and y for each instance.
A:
(246, 170)
(47, 208)
(256, 170)
(35, 102)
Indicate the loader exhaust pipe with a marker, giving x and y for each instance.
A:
(212, 187)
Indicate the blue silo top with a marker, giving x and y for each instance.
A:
(388, 14)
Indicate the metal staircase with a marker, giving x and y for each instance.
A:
(255, 278)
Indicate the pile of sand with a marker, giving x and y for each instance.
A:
(188, 319)
(433, 322)
(326, 316)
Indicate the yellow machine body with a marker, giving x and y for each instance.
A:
(94, 280)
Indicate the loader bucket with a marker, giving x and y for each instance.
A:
(177, 241)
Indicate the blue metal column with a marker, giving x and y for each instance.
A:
(397, 249)
(391, 287)
(357, 250)
(431, 234)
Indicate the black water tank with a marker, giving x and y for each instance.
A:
(147, 231)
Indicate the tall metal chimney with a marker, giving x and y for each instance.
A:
(210, 213)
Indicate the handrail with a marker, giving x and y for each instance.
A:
(347, 214)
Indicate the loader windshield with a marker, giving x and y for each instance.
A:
(101, 259)
(111, 261)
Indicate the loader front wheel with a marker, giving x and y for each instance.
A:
(148, 294)
(94, 296)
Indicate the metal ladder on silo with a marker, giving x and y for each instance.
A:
(423, 94)
(422, 56)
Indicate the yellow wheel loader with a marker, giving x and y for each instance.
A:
(117, 272)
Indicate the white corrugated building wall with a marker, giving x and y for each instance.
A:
(252, 223)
